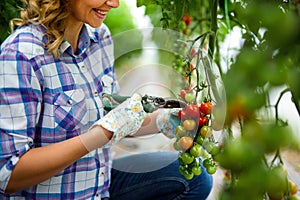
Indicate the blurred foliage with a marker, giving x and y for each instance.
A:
(120, 19)
(127, 38)
(9, 9)
(269, 57)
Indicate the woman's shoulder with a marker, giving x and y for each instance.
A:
(27, 39)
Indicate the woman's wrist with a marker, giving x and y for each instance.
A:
(96, 137)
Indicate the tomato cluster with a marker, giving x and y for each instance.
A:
(279, 185)
(194, 137)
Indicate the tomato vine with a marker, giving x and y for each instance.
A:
(267, 58)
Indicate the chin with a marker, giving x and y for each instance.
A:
(95, 25)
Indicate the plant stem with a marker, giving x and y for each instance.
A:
(213, 27)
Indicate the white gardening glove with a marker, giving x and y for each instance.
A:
(123, 120)
(167, 121)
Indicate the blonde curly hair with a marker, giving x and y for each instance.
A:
(51, 14)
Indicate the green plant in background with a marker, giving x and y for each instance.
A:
(120, 21)
(269, 57)
(9, 9)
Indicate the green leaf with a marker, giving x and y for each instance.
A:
(179, 9)
(145, 2)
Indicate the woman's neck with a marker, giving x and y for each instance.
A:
(72, 32)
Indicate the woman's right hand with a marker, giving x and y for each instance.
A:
(125, 119)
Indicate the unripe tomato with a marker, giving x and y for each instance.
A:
(293, 187)
(206, 131)
(277, 182)
(196, 162)
(196, 150)
(188, 175)
(180, 131)
(199, 139)
(189, 124)
(182, 25)
(177, 146)
(197, 170)
(207, 162)
(294, 197)
(186, 142)
(211, 169)
(182, 168)
(190, 97)
(215, 149)
(187, 158)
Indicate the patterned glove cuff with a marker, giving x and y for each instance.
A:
(167, 122)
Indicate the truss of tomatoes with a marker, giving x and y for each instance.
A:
(194, 137)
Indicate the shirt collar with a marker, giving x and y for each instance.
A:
(85, 38)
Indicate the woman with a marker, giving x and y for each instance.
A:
(55, 136)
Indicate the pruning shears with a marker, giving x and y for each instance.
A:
(150, 103)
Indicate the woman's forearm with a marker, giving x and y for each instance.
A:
(40, 164)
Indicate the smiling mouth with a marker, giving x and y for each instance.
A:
(100, 12)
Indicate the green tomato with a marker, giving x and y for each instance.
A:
(190, 97)
(188, 175)
(215, 149)
(182, 169)
(196, 150)
(180, 131)
(187, 158)
(199, 139)
(206, 131)
(207, 162)
(196, 162)
(176, 146)
(211, 169)
(197, 170)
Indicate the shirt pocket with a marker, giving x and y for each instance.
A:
(70, 110)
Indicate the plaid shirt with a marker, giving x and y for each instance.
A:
(44, 100)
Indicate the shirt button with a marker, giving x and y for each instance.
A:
(102, 173)
(83, 67)
(96, 94)
(70, 102)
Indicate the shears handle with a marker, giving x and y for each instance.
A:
(150, 103)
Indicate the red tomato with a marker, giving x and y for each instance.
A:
(193, 110)
(202, 120)
(182, 114)
(187, 19)
(182, 94)
(206, 107)
(192, 67)
(193, 53)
